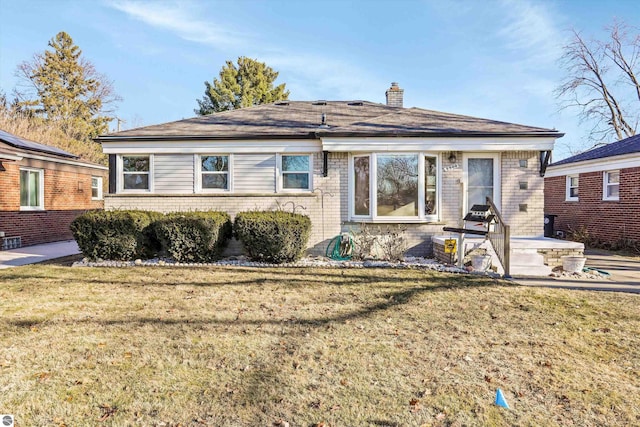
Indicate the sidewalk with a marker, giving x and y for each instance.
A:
(624, 270)
(37, 253)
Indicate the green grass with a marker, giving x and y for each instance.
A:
(362, 347)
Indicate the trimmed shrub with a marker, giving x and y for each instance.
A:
(193, 236)
(273, 236)
(115, 235)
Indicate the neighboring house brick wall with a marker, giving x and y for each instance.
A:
(67, 194)
(607, 221)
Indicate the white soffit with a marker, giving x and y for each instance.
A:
(438, 144)
(624, 161)
(222, 146)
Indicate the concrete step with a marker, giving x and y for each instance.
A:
(528, 262)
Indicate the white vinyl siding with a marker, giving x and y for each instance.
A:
(173, 173)
(254, 173)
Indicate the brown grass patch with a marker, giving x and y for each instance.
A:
(241, 346)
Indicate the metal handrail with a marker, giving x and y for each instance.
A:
(500, 237)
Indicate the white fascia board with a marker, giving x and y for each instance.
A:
(438, 144)
(200, 147)
(624, 161)
(8, 156)
(65, 162)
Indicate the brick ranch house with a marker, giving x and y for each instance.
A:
(598, 193)
(43, 189)
(342, 163)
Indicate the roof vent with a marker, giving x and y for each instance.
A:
(282, 103)
(320, 103)
(323, 121)
(355, 104)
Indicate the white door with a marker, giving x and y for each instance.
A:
(482, 173)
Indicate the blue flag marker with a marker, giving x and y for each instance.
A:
(500, 400)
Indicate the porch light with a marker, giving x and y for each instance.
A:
(452, 157)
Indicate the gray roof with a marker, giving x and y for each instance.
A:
(624, 146)
(303, 119)
(24, 144)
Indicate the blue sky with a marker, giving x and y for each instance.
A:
(496, 58)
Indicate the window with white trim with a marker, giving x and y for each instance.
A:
(572, 186)
(136, 173)
(295, 172)
(96, 188)
(215, 172)
(31, 189)
(390, 186)
(611, 188)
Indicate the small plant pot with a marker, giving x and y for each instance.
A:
(573, 263)
(481, 262)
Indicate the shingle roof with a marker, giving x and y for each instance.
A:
(624, 146)
(303, 119)
(24, 144)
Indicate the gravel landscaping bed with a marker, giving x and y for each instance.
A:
(310, 261)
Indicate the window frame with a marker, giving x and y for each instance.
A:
(99, 187)
(199, 172)
(373, 189)
(568, 187)
(121, 173)
(606, 184)
(280, 173)
(40, 172)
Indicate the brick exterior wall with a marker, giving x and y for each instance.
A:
(67, 194)
(527, 223)
(606, 220)
(334, 218)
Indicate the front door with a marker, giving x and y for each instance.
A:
(483, 179)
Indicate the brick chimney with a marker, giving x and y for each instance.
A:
(394, 95)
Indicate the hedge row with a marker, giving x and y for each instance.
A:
(273, 236)
(190, 236)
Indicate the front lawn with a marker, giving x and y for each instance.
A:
(327, 347)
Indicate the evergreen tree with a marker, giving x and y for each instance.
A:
(64, 87)
(247, 84)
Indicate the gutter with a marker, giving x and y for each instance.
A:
(319, 135)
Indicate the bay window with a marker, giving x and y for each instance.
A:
(389, 186)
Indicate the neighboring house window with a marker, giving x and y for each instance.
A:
(136, 171)
(390, 186)
(214, 172)
(611, 190)
(295, 171)
(31, 189)
(96, 188)
(572, 187)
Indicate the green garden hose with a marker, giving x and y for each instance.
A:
(340, 248)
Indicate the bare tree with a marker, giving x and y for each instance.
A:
(601, 81)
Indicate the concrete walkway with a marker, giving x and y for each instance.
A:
(37, 253)
(624, 270)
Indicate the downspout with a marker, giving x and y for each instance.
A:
(545, 158)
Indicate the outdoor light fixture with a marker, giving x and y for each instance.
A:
(452, 157)
(79, 186)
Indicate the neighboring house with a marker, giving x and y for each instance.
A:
(42, 189)
(342, 163)
(597, 193)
